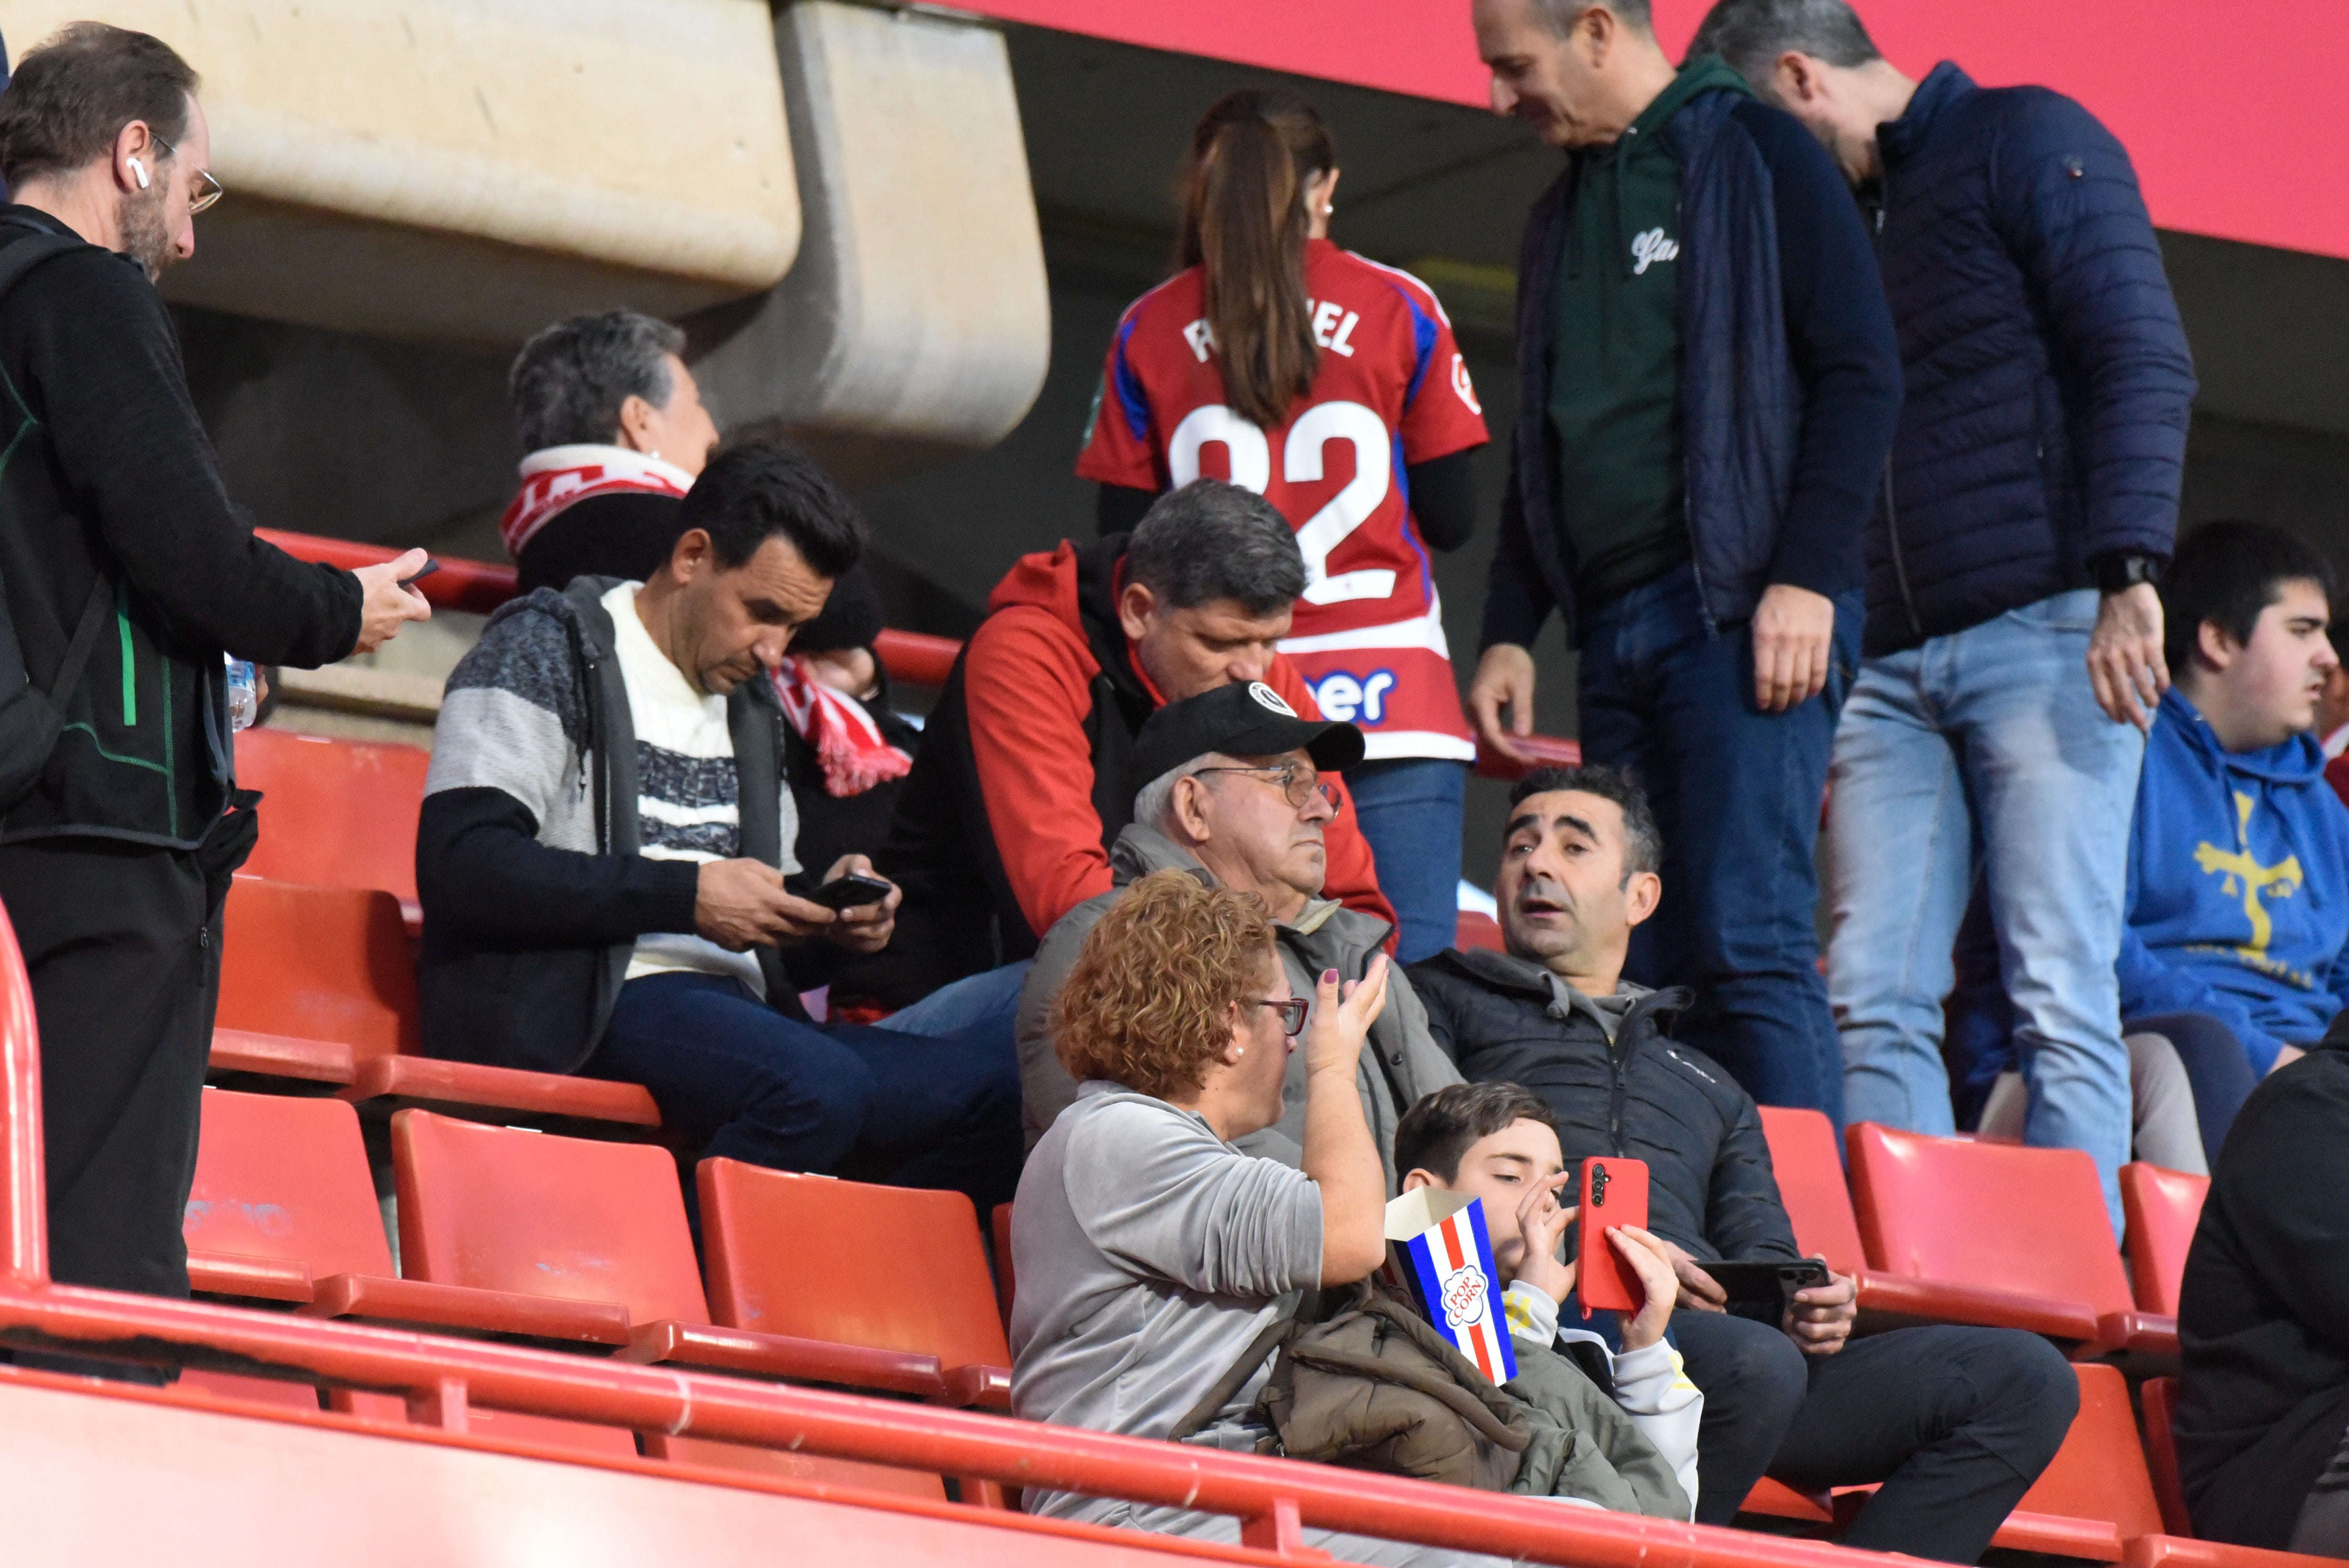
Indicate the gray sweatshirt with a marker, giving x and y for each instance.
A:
(1150, 1255)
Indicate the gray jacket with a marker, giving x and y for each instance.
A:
(1401, 1062)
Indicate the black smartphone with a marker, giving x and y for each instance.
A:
(850, 892)
(431, 566)
(1769, 1281)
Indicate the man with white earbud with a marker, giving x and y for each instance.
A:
(128, 576)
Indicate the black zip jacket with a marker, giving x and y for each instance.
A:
(1711, 1189)
(105, 469)
(2264, 1320)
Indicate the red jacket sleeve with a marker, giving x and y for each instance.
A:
(1352, 876)
(1027, 690)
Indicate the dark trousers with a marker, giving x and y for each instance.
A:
(911, 1110)
(122, 943)
(1955, 1422)
(2216, 1069)
(1736, 793)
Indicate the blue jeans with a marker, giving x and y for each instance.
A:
(1988, 735)
(985, 1003)
(1409, 810)
(1736, 795)
(910, 1110)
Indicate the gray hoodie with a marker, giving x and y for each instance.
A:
(1401, 1062)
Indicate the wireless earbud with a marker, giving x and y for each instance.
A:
(140, 169)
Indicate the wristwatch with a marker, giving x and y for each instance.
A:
(2122, 570)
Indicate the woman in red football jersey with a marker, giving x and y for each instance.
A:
(1332, 386)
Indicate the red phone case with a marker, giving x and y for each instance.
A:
(1614, 1192)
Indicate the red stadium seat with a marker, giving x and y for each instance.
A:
(1475, 928)
(283, 1198)
(2163, 1207)
(335, 813)
(1811, 1185)
(1007, 1285)
(2096, 1495)
(319, 983)
(592, 1237)
(719, 1456)
(1945, 1218)
(766, 1230)
(2159, 1395)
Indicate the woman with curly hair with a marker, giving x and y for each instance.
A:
(1150, 1253)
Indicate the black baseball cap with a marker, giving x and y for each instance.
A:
(1250, 720)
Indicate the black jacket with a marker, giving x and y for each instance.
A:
(1711, 1189)
(2264, 1321)
(106, 469)
(2049, 384)
(1790, 375)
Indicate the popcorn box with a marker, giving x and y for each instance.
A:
(1437, 1244)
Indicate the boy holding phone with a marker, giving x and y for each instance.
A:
(1499, 1142)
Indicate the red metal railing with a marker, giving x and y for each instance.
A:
(442, 1377)
(915, 658)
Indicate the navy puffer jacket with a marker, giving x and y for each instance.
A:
(2048, 379)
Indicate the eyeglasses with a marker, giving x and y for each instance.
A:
(1292, 1013)
(212, 190)
(1298, 784)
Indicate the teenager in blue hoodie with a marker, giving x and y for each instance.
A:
(2238, 858)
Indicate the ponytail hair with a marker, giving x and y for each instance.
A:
(1244, 222)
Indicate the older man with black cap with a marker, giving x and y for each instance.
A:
(1235, 795)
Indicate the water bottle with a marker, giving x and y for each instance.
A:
(243, 693)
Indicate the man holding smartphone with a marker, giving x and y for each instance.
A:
(605, 860)
(1956, 1423)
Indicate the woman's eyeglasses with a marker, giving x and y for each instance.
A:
(1292, 1013)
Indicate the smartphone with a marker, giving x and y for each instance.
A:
(850, 890)
(429, 567)
(1769, 1282)
(1614, 1192)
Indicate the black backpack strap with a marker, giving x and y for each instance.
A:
(21, 257)
(85, 638)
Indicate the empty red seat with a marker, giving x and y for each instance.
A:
(1996, 1235)
(1811, 1185)
(283, 1198)
(1475, 928)
(765, 1232)
(335, 813)
(319, 983)
(2163, 1207)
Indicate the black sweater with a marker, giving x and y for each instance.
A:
(2263, 1322)
(105, 468)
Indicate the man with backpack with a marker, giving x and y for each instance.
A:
(128, 576)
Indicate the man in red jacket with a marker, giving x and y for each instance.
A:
(1026, 774)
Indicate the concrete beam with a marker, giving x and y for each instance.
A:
(470, 170)
(916, 322)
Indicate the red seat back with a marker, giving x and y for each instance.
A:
(2026, 1220)
(318, 964)
(336, 813)
(796, 1467)
(1475, 928)
(2099, 1472)
(2160, 1398)
(2163, 1207)
(823, 1259)
(498, 1207)
(278, 1177)
(1811, 1185)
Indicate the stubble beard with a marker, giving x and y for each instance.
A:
(146, 236)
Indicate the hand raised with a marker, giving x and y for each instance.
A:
(1341, 1017)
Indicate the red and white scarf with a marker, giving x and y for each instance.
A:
(554, 478)
(847, 742)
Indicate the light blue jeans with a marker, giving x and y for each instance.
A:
(1987, 742)
(987, 1002)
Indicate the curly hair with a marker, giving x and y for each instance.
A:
(1149, 1002)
